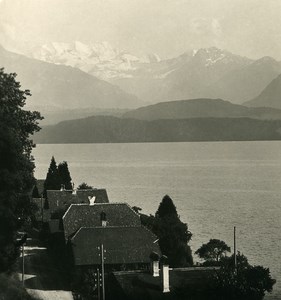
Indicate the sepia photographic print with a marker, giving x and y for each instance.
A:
(140, 149)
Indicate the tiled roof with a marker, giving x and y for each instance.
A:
(117, 214)
(123, 245)
(62, 199)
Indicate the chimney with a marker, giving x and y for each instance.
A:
(165, 274)
(103, 219)
(92, 200)
(154, 264)
(62, 187)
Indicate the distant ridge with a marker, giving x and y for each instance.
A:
(62, 86)
(101, 129)
(269, 97)
(201, 108)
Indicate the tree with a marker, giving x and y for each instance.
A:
(35, 192)
(52, 181)
(246, 282)
(172, 233)
(16, 162)
(166, 208)
(213, 250)
(84, 186)
(64, 175)
(57, 176)
(26, 210)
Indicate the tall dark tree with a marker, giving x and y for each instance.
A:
(16, 162)
(173, 234)
(52, 181)
(64, 175)
(166, 208)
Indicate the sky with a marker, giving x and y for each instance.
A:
(168, 28)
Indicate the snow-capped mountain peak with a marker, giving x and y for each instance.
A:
(99, 59)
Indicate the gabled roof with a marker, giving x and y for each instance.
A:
(117, 214)
(123, 245)
(57, 198)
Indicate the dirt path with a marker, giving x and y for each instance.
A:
(42, 279)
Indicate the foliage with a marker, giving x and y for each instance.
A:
(172, 233)
(213, 250)
(166, 207)
(35, 192)
(84, 186)
(246, 283)
(64, 175)
(57, 176)
(16, 162)
(8, 226)
(26, 210)
(52, 181)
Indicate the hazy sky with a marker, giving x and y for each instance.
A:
(166, 27)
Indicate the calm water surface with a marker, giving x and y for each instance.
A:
(215, 186)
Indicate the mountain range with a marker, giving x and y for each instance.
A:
(98, 59)
(62, 79)
(203, 73)
(63, 86)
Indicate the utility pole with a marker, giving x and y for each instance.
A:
(22, 275)
(102, 251)
(42, 211)
(102, 272)
(235, 258)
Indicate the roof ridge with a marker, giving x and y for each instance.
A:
(149, 231)
(93, 189)
(73, 204)
(94, 227)
(59, 191)
(110, 227)
(133, 210)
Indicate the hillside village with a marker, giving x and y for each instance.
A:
(108, 241)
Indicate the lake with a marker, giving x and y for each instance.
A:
(214, 185)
